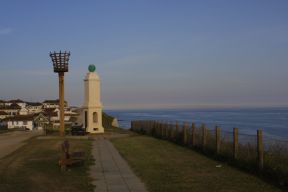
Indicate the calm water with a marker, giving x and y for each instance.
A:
(273, 121)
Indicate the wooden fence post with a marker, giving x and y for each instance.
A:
(135, 126)
(162, 129)
(176, 135)
(165, 130)
(154, 128)
(218, 139)
(144, 123)
(235, 143)
(150, 127)
(132, 125)
(193, 136)
(141, 126)
(260, 149)
(159, 129)
(145, 127)
(171, 131)
(185, 133)
(168, 130)
(204, 134)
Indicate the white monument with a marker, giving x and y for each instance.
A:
(92, 109)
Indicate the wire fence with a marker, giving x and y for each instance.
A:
(259, 153)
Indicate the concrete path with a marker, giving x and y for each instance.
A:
(111, 173)
(11, 141)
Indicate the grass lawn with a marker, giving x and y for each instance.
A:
(34, 168)
(164, 166)
(4, 131)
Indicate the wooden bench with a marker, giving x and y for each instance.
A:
(70, 159)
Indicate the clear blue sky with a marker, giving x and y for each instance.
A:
(148, 53)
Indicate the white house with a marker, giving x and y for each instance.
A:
(48, 104)
(34, 107)
(52, 104)
(11, 110)
(2, 103)
(19, 102)
(3, 115)
(53, 115)
(23, 111)
(40, 121)
(19, 121)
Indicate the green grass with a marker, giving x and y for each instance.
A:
(3, 131)
(164, 166)
(34, 167)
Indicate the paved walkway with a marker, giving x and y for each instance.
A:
(111, 173)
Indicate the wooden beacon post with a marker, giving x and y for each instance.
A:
(60, 65)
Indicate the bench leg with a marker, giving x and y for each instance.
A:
(63, 164)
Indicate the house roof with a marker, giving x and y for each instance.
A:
(23, 109)
(17, 101)
(34, 104)
(50, 112)
(15, 106)
(52, 101)
(19, 118)
(54, 114)
(3, 113)
(12, 106)
(40, 115)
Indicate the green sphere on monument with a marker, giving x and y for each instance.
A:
(91, 68)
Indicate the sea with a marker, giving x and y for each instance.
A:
(273, 121)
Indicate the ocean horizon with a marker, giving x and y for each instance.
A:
(272, 120)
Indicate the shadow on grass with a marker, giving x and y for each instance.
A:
(34, 167)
